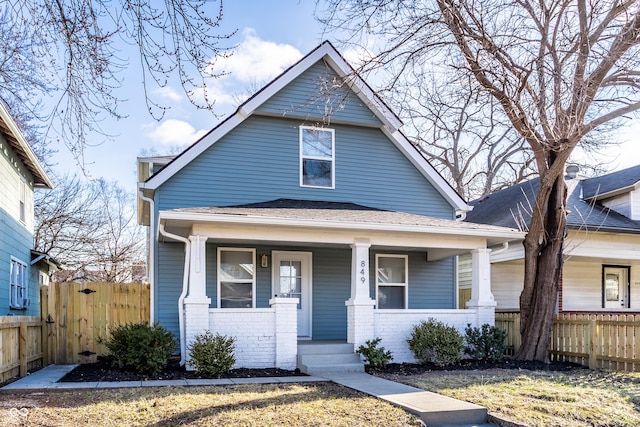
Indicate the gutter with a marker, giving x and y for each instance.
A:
(185, 288)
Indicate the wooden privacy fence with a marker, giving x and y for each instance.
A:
(76, 315)
(599, 341)
(20, 346)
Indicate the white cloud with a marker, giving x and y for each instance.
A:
(254, 61)
(169, 93)
(173, 131)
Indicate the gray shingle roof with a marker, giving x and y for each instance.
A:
(592, 187)
(512, 206)
(337, 212)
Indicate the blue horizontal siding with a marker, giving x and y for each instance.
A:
(431, 284)
(319, 96)
(169, 279)
(259, 161)
(16, 241)
(331, 288)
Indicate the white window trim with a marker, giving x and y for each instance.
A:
(22, 200)
(406, 278)
(253, 283)
(332, 158)
(24, 285)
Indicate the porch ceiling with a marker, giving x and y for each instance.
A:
(335, 227)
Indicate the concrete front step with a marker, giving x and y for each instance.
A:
(322, 358)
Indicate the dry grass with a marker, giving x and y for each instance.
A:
(321, 404)
(539, 398)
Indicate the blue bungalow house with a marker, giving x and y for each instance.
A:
(308, 217)
(21, 268)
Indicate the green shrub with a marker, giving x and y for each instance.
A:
(486, 344)
(211, 354)
(138, 346)
(434, 342)
(376, 357)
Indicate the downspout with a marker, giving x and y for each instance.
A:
(185, 288)
(505, 246)
(151, 261)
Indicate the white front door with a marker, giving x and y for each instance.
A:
(615, 287)
(292, 279)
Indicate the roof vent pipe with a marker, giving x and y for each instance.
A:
(572, 171)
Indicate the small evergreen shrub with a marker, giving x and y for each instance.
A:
(487, 344)
(434, 342)
(212, 354)
(376, 357)
(138, 346)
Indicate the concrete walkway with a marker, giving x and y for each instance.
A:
(433, 409)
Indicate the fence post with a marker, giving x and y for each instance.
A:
(593, 344)
(22, 348)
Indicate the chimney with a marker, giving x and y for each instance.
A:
(572, 171)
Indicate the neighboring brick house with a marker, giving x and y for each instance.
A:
(601, 270)
(307, 215)
(21, 268)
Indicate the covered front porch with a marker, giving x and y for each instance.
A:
(318, 274)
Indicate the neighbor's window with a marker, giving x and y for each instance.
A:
(391, 281)
(236, 277)
(23, 200)
(18, 288)
(317, 156)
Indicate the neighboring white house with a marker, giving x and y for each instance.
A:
(21, 268)
(307, 215)
(602, 250)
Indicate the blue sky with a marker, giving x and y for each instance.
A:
(271, 35)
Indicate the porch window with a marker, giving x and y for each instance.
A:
(18, 290)
(391, 281)
(236, 277)
(317, 157)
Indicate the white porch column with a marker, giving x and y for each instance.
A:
(286, 333)
(481, 297)
(360, 323)
(196, 304)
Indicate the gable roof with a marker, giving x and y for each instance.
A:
(609, 185)
(512, 208)
(325, 51)
(19, 144)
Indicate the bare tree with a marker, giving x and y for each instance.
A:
(560, 69)
(71, 52)
(462, 131)
(90, 227)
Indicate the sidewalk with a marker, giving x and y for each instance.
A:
(432, 408)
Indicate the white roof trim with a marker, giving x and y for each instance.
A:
(330, 54)
(13, 127)
(345, 225)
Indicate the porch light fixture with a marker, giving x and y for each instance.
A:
(264, 260)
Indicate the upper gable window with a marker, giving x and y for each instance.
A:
(22, 194)
(317, 157)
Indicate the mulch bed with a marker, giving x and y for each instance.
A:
(102, 371)
(468, 365)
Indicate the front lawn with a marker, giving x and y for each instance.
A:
(320, 404)
(542, 398)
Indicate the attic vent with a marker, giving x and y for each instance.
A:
(572, 171)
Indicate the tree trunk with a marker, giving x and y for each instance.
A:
(543, 268)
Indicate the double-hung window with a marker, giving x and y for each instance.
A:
(236, 278)
(18, 298)
(317, 157)
(391, 281)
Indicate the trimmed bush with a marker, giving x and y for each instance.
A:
(211, 354)
(487, 344)
(434, 342)
(376, 357)
(141, 347)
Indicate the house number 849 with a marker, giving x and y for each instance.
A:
(363, 264)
